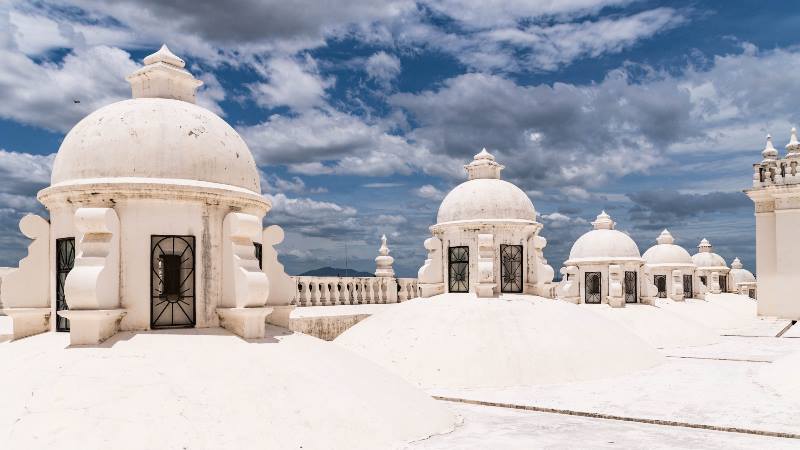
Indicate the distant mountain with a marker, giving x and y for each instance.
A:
(335, 272)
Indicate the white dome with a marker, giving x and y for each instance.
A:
(159, 134)
(604, 243)
(173, 389)
(739, 274)
(460, 341)
(666, 252)
(486, 198)
(156, 138)
(706, 257)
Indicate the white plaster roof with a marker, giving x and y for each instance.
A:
(206, 389)
(739, 274)
(158, 134)
(485, 196)
(460, 341)
(604, 243)
(705, 257)
(666, 253)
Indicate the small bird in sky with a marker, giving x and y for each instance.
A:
(75, 101)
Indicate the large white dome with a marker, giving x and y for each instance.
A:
(460, 341)
(159, 134)
(485, 196)
(155, 138)
(604, 243)
(486, 199)
(666, 252)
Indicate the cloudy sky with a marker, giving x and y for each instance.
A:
(361, 115)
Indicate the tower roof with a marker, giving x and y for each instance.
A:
(483, 165)
(164, 76)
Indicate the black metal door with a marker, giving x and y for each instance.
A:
(688, 290)
(592, 287)
(65, 260)
(661, 284)
(723, 283)
(172, 281)
(630, 287)
(511, 268)
(458, 269)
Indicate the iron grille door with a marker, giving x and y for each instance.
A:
(172, 281)
(661, 284)
(723, 283)
(458, 269)
(259, 250)
(65, 260)
(687, 286)
(511, 268)
(592, 287)
(630, 287)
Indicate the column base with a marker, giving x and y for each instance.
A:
(429, 290)
(248, 323)
(616, 302)
(92, 326)
(485, 290)
(28, 321)
(280, 315)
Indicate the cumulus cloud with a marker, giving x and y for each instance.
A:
(290, 82)
(382, 67)
(429, 191)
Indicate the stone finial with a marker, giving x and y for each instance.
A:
(704, 246)
(483, 165)
(164, 76)
(383, 261)
(665, 237)
(770, 153)
(603, 222)
(736, 264)
(793, 147)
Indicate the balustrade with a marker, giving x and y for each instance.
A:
(321, 291)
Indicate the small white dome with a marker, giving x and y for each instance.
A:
(604, 243)
(160, 134)
(705, 257)
(666, 252)
(739, 274)
(485, 196)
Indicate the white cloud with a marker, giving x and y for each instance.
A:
(291, 82)
(429, 191)
(383, 67)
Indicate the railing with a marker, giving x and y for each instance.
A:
(782, 171)
(324, 291)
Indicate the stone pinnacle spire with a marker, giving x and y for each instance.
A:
(793, 147)
(164, 76)
(483, 165)
(770, 153)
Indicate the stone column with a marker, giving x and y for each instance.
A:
(430, 276)
(92, 286)
(245, 287)
(25, 291)
(281, 286)
(485, 287)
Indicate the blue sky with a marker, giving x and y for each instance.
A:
(361, 116)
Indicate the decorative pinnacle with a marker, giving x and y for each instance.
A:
(793, 147)
(665, 237)
(603, 222)
(770, 153)
(483, 165)
(736, 264)
(384, 250)
(166, 56)
(704, 246)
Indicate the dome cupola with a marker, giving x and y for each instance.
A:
(485, 197)
(705, 256)
(160, 136)
(666, 253)
(603, 243)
